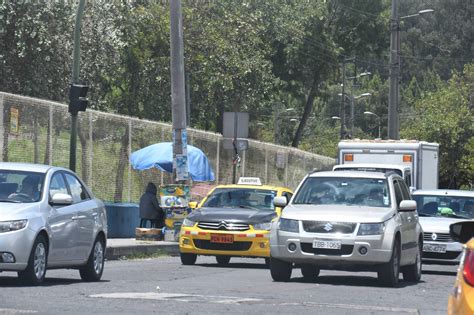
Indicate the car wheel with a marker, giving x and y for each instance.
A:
(188, 259)
(94, 267)
(280, 270)
(36, 269)
(223, 260)
(413, 272)
(389, 273)
(309, 271)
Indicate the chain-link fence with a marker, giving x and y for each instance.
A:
(38, 131)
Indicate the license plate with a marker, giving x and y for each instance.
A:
(222, 238)
(434, 248)
(327, 244)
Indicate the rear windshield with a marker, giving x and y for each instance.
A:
(370, 192)
(448, 206)
(241, 198)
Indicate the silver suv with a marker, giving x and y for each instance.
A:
(348, 220)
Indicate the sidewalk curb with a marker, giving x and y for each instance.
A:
(116, 252)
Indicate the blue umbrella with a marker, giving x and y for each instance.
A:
(160, 155)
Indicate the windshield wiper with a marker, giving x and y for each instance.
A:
(457, 216)
(247, 207)
(421, 214)
(10, 200)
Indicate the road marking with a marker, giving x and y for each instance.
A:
(356, 307)
(175, 297)
(15, 311)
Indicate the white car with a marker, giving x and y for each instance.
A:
(349, 220)
(49, 219)
(438, 209)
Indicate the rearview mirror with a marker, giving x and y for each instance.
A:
(60, 199)
(407, 205)
(280, 201)
(462, 232)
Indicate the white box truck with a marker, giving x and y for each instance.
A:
(422, 157)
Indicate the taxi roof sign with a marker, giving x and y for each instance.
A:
(249, 181)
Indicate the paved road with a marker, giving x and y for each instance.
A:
(164, 285)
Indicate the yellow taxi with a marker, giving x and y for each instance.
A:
(231, 221)
(461, 300)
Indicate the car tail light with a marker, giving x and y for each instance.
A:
(407, 158)
(348, 157)
(468, 270)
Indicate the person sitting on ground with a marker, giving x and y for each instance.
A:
(150, 209)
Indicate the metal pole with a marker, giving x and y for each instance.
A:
(379, 130)
(178, 102)
(394, 72)
(352, 116)
(75, 79)
(342, 109)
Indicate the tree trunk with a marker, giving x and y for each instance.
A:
(123, 158)
(6, 131)
(35, 137)
(47, 152)
(307, 112)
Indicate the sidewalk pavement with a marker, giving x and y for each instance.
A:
(120, 247)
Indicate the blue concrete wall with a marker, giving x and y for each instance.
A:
(122, 219)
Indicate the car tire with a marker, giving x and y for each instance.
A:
(223, 260)
(389, 273)
(309, 271)
(188, 259)
(35, 271)
(267, 262)
(280, 270)
(412, 272)
(94, 268)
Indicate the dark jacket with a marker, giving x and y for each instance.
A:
(149, 206)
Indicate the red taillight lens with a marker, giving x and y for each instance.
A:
(468, 270)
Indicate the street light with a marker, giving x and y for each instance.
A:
(378, 120)
(352, 100)
(277, 116)
(393, 119)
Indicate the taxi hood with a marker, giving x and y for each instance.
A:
(337, 213)
(243, 215)
(437, 224)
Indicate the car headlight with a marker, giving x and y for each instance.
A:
(263, 226)
(188, 223)
(371, 228)
(289, 225)
(8, 226)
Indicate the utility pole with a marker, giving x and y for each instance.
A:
(393, 125)
(75, 79)
(178, 101)
(343, 107)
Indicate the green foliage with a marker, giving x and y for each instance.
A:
(446, 116)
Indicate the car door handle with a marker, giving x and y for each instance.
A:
(79, 217)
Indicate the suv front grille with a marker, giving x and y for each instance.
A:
(345, 250)
(235, 246)
(438, 237)
(223, 226)
(329, 227)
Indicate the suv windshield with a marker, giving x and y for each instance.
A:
(370, 192)
(448, 206)
(19, 186)
(241, 197)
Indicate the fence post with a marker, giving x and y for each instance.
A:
(266, 164)
(286, 167)
(91, 149)
(242, 172)
(162, 140)
(2, 126)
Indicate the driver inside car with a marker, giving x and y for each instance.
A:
(29, 188)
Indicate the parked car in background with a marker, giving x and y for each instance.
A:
(349, 220)
(232, 220)
(437, 210)
(461, 300)
(49, 219)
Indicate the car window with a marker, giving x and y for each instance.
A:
(260, 199)
(372, 192)
(408, 179)
(398, 192)
(78, 192)
(58, 185)
(20, 186)
(405, 191)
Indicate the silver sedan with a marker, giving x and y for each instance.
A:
(49, 219)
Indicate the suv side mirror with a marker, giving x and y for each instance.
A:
(462, 232)
(407, 205)
(280, 201)
(60, 199)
